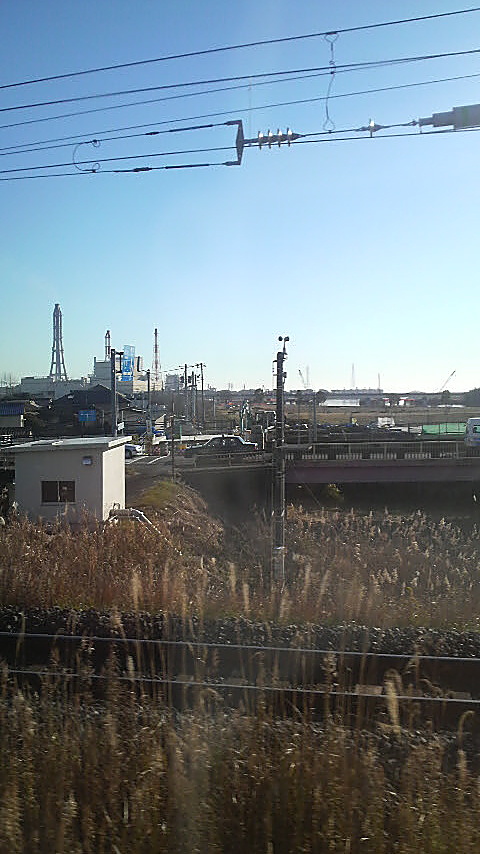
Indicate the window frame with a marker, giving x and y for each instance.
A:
(58, 491)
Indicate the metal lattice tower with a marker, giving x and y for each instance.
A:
(57, 367)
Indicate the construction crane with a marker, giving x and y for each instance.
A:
(443, 387)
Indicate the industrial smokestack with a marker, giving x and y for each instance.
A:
(107, 345)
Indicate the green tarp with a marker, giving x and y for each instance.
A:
(446, 427)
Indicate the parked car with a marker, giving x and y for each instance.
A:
(221, 445)
(132, 450)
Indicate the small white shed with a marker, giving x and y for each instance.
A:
(70, 478)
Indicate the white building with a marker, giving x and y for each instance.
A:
(70, 478)
(135, 384)
(47, 387)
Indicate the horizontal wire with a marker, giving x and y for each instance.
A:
(225, 48)
(25, 636)
(229, 89)
(228, 686)
(348, 67)
(78, 163)
(329, 139)
(99, 139)
(13, 149)
(164, 99)
(115, 171)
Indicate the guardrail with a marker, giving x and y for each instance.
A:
(428, 450)
(226, 459)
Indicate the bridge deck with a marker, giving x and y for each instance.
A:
(383, 462)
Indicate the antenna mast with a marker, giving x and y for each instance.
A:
(156, 369)
(57, 367)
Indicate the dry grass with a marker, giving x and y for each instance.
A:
(127, 777)
(130, 776)
(341, 566)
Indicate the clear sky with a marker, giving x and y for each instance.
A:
(364, 252)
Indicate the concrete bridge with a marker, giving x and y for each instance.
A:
(383, 462)
(430, 461)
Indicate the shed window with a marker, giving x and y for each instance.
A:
(58, 491)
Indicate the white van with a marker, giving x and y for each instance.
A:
(472, 433)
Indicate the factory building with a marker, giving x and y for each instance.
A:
(131, 376)
(131, 379)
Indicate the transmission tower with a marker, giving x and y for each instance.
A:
(57, 367)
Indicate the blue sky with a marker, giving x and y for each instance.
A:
(364, 252)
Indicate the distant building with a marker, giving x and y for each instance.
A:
(172, 383)
(13, 415)
(136, 383)
(355, 392)
(48, 387)
(83, 411)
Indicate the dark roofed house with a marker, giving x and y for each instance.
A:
(82, 411)
(15, 415)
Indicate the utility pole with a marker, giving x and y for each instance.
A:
(193, 397)
(113, 389)
(172, 428)
(201, 365)
(278, 557)
(185, 386)
(149, 442)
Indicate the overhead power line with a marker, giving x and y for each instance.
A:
(240, 46)
(226, 112)
(322, 69)
(45, 144)
(99, 161)
(329, 139)
(30, 148)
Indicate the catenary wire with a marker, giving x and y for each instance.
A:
(117, 159)
(225, 48)
(228, 112)
(347, 67)
(95, 134)
(99, 139)
(328, 139)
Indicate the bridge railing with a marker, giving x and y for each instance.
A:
(387, 451)
(229, 459)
